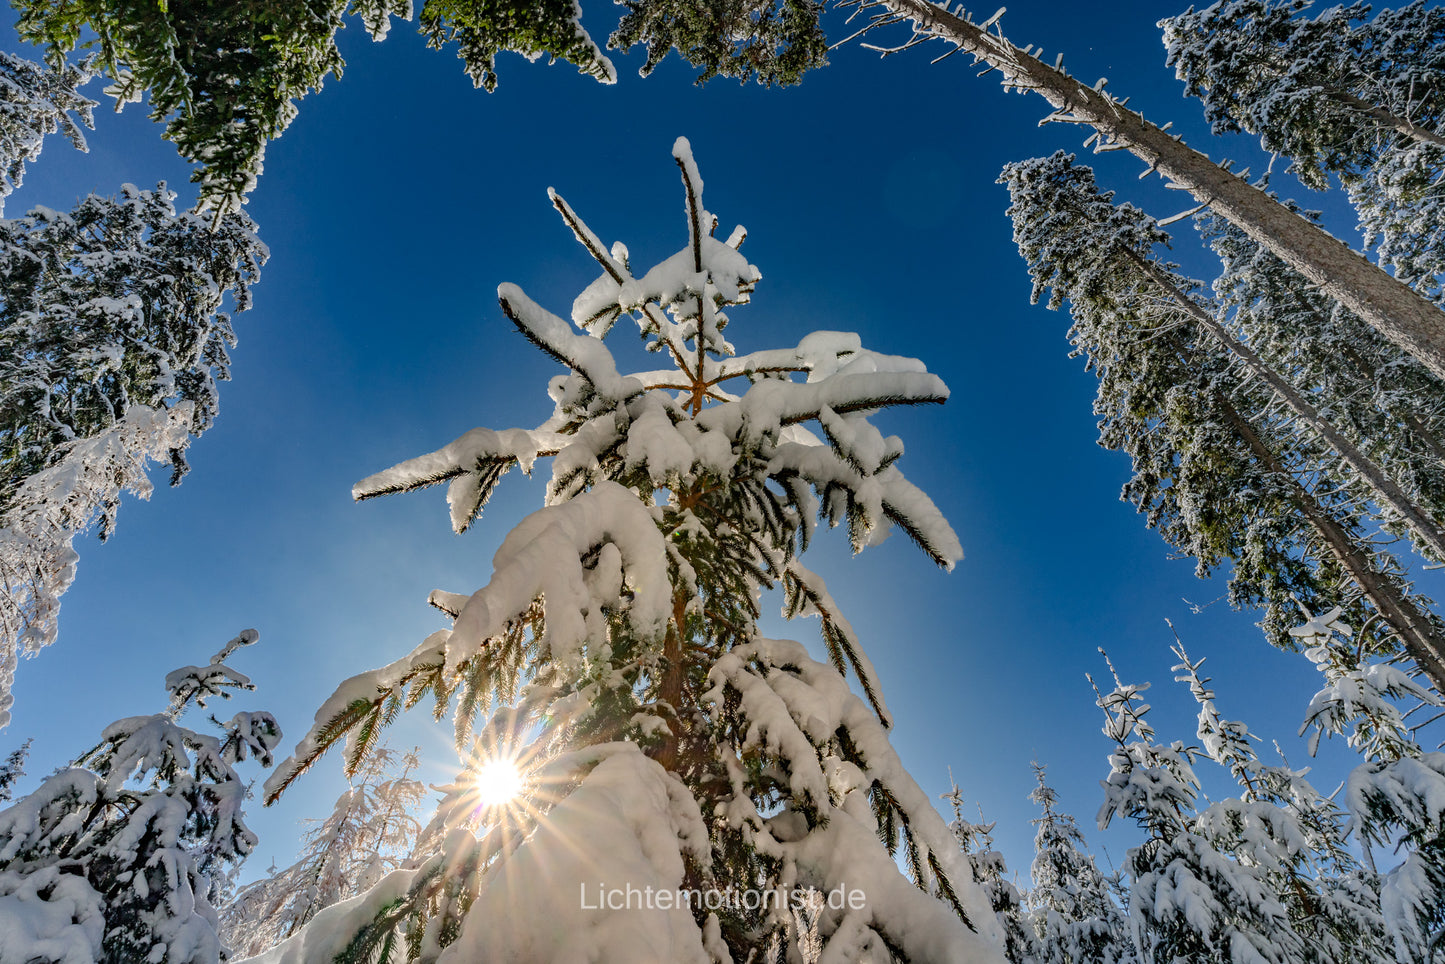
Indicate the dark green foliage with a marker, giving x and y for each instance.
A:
(1214, 468)
(225, 78)
(484, 28)
(221, 76)
(770, 41)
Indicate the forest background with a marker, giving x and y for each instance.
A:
(400, 197)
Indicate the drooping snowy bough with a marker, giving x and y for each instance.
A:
(112, 341)
(692, 788)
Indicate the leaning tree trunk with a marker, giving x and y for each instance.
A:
(1385, 118)
(1385, 490)
(1390, 306)
(1416, 631)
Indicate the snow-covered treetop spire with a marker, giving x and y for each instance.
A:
(1152, 783)
(1359, 697)
(1224, 741)
(619, 632)
(617, 439)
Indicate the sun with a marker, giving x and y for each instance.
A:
(498, 781)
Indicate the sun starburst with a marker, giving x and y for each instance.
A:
(498, 781)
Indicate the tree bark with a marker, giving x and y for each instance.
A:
(1391, 307)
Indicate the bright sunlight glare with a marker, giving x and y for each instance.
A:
(498, 781)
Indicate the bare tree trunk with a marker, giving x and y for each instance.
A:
(1386, 491)
(1385, 118)
(1391, 307)
(1417, 633)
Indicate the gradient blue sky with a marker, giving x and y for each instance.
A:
(401, 197)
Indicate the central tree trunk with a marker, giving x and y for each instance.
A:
(673, 668)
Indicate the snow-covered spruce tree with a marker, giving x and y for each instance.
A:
(112, 338)
(668, 744)
(1282, 828)
(991, 872)
(1217, 466)
(1188, 902)
(37, 100)
(1066, 191)
(1337, 93)
(112, 859)
(1071, 908)
(1398, 796)
(370, 832)
(12, 770)
(1398, 312)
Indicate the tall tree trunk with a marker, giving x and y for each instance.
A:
(1384, 118)
(1391, 307)
(1386, 491)
(1415, 630)
(670, 690)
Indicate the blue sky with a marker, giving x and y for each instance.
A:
(401, 197)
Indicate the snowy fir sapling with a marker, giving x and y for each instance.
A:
(1267, 875)
(112, 338)
(1289, 836)
(369, 834)
(975, 840)
(665, 743)
(1397, 797)
(115, 858)
(1188, 901)
(1071, 907)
